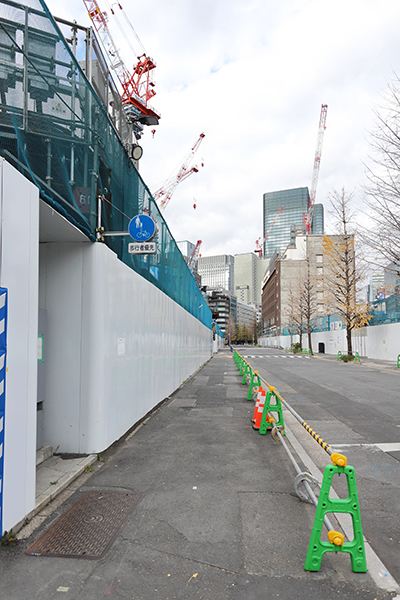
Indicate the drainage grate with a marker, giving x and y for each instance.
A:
(88, 529)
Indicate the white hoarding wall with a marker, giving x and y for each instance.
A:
(114, 346)
(381, 342)
(117, 346)
(218, 343)
(19, 235)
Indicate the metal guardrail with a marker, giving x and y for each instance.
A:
(324, 504)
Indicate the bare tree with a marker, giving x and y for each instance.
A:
(295, 309)
(232, 332)
(309, 303)
(383, 179)
(289, 313)
(342, 275)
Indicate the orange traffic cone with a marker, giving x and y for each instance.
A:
(258, 399)
(259, 412)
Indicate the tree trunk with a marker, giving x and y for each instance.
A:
(309, 341)
(349, 346)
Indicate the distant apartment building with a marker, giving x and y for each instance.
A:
(223, 306)
(270, 301)
(282, 225)
(246, 317)
(217, 272)
(284, 276)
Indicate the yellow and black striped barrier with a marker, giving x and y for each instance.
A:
(324, 504)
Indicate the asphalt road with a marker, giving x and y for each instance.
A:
(217, 517)
(356, 409)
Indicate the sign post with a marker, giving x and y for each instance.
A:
(141, 229)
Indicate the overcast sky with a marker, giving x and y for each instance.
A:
(252, 76)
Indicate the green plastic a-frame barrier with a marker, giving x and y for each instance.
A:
(355, 548)
(246, 373)
(255, 382)
(242, 366)
(271, 406)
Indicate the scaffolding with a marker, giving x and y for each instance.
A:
(69, 135)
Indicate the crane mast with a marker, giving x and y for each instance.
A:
(164, 193)
(317, 161)
(137, 87)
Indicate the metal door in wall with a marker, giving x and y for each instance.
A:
(42, 343)
(3, 356)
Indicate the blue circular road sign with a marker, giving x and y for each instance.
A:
(141, 228)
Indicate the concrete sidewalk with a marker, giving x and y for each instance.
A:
(364, 361)
(374, 363)
(218, 518)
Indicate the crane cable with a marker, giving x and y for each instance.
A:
(122, 30)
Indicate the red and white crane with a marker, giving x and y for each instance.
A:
(260, 245)
(307, 218)
(137, 86)
(194, 257)
(163, 195)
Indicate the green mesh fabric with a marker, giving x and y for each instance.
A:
(382, 312)
(56, 131)
(385, 311)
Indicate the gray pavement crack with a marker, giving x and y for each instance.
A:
(188, 559)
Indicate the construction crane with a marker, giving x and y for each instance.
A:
(137, 87)
(194, 257)
(260, 245)
(307, 218)
(164, 193)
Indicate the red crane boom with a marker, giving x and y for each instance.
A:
(194, 257)
(163, 195)
(317, 161)
(137, 87)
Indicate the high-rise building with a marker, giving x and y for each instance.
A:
(376, 288)
(186, 247)
(392, 279)
(317, 225)
(283, 227)
(223, 305)
(246, 316)
(217, 272)
(249, 273)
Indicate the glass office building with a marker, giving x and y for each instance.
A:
(217, 272)
(186, 247)
(318, 219)
(282, 226)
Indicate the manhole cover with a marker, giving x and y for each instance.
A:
(89, 528)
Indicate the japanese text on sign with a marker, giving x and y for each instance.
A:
(147, 248)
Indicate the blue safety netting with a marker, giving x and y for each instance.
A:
(74, 145)
(217, 329)
(385, 311)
